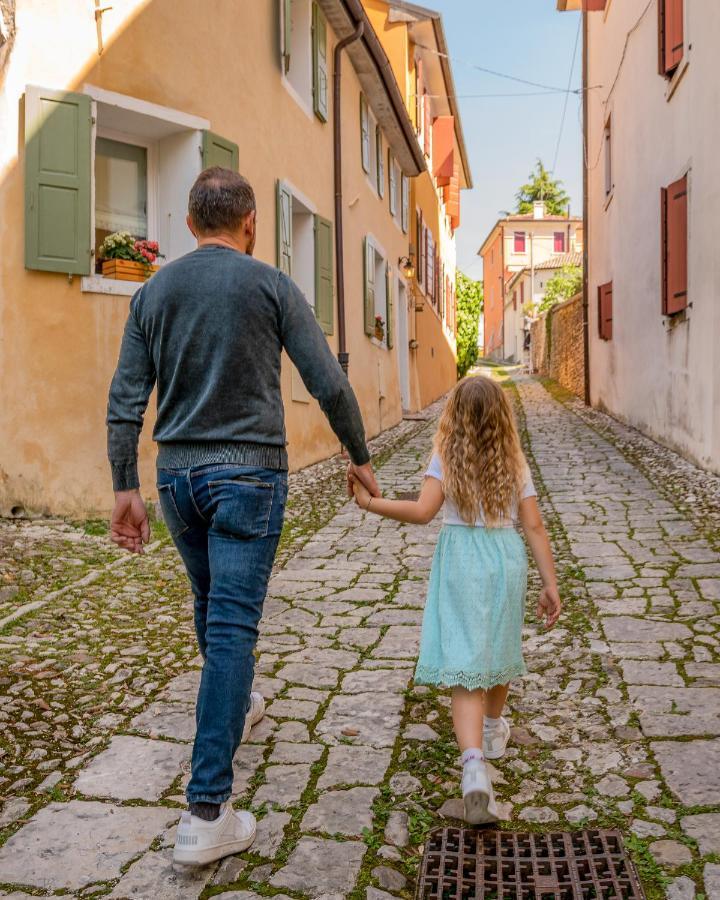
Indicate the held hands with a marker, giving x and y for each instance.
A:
(549, 606)
(366, 477)
(361, 493)
(129, 526)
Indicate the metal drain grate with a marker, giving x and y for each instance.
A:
(480, 864)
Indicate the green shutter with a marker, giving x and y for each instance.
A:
(393, 184)
(285, 33)
(219, 151)
(380, 161)
(369, 286)
(324, 302)
(389, 305)
(405, 208)
(58, 136)
(364, 133)
(284, 229)
(320, 66)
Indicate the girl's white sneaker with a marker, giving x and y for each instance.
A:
(255, 712)
(478, 793)
(495, 740)
(199, 842)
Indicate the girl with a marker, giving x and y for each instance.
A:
(471, 633)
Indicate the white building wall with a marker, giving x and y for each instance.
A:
(661, 375)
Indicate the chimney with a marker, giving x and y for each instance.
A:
(539, 209)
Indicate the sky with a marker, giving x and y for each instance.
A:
(504, 136)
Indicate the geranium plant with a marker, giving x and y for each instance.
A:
(123, 245)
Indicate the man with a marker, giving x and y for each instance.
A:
(209, 329)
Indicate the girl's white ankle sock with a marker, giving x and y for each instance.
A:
(472, 753)
(492, 723)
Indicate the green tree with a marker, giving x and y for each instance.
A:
(542, 187)
(562, 286)
(469, 306)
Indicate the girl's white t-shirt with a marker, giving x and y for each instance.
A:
(451, 516)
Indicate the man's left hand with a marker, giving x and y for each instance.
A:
(129, 525)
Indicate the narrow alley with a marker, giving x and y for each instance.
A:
(617, 724)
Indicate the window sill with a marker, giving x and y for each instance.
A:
(97, 284)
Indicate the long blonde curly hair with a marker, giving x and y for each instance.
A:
(477, 441)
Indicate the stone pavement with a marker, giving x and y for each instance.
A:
(617, 724)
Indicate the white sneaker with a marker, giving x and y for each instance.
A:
(495, 741)
(199, 842)
(478, 793)
(253, 715)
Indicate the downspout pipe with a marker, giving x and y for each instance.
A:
(586, 232)
(343, 355)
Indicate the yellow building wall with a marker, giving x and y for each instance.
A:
(60, 345)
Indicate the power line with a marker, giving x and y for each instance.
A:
(567, 97)
(547, 87)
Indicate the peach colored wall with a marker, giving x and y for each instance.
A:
(59, 345)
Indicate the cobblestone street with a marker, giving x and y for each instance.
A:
(617, 724)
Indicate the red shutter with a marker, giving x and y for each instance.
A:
(514, 299)
(674, 240)
(522, 293)
(605, 311)
(559, 241)
(671, 35)
(443, 148)
(519, 245)
(594, 5)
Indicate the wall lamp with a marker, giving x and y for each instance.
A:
(407, 266)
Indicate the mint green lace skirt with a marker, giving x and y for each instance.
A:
(472, 625)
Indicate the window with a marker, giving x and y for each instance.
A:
(303, 38)
(137, 164)
(519, 242)
(427, 125)
(419, 104)
(394, 185)
(671, 35)
(605, 311)
(559, 242)
(674, 214)
(377, 291)
(121, 190)
(430, 262)
(305, 252)
(405, 200)
(364, 133)
(608, 157)
(522, 294)
(514, 300)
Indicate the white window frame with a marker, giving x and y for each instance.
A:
(97, 284)
(381, 258)
(304, 102)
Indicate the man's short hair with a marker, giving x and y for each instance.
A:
(219, 200)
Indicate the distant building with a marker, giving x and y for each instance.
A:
(517, 242)
(525, 290)
(652, 132)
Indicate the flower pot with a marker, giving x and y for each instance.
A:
(126, 270)
(379, 333)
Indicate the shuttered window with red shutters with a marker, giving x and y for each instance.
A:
(671, 34)
(559, 241)
(605, 311)
(519, 242)
(674, 234)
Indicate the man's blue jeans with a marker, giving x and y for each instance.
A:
(225, 521)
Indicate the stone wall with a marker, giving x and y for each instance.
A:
(556, 345)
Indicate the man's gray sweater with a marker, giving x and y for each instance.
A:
(209, 328)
